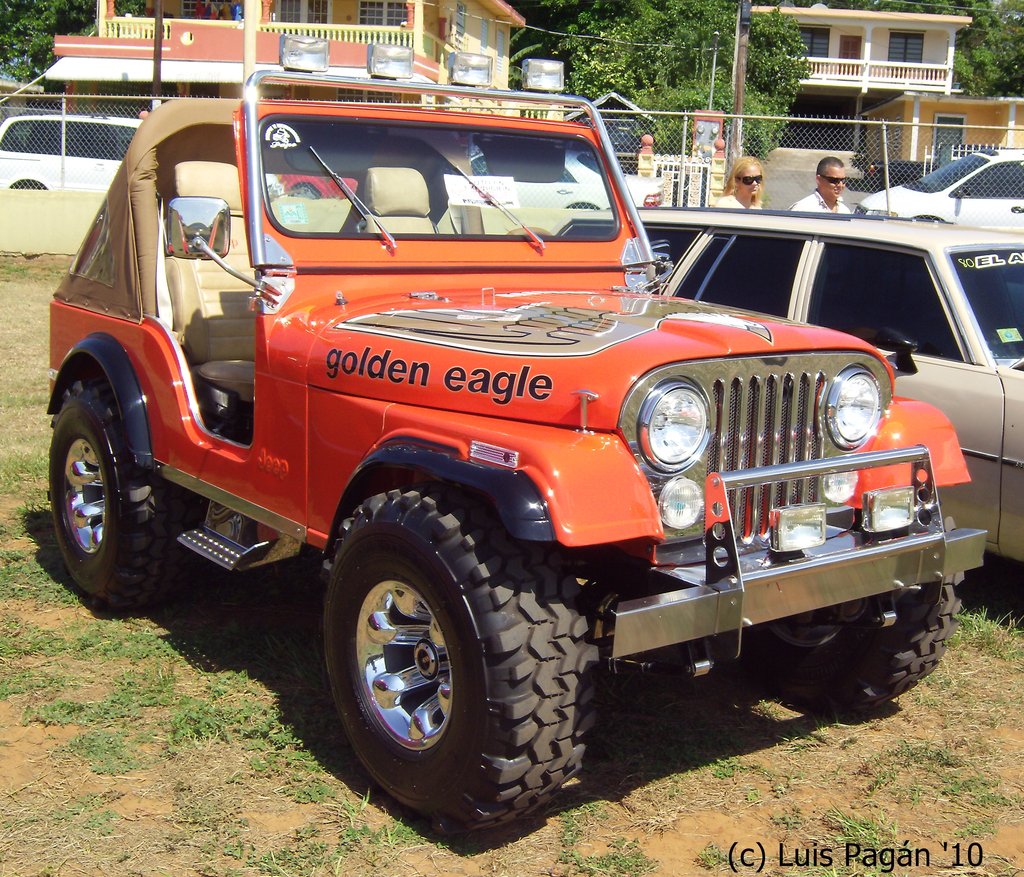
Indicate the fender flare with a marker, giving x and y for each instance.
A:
(514, 496)
(105, 352)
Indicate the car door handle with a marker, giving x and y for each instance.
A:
(1017, 209)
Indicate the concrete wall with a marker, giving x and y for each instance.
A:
(35, 223)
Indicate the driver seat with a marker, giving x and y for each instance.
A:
(213, 319)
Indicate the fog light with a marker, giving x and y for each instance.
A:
(839, 487)
(888, 509)
(681, 503)
(797, 527)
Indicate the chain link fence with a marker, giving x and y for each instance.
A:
(64, 141)
(970, 175)
(956, 173)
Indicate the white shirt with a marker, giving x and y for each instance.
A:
(816, 204)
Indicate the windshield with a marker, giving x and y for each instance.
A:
(993, 280)
(948, 175)
(346, 178)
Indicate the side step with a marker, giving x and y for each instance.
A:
(235, 542)
(221, 550)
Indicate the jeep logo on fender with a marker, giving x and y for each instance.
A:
(271, 464)
(501, 386)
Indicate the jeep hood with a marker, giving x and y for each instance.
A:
(531, 355)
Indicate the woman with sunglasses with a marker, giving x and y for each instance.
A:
(744, 187)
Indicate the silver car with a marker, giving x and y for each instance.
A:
(954, 295)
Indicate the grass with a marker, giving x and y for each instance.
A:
(199, 739)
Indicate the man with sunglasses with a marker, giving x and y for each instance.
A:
(827, 197)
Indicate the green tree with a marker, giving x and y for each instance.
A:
(660, 54)
(27, 28)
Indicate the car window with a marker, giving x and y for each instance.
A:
(753, 272)
(39, 136)
(949, 174)
(672, 239)
(1004, 180)
(879, 295)
(98, 140)
(993, 280)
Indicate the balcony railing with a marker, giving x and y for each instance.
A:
(878, 73)
(128, 27)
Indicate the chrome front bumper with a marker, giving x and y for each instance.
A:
(738, 587)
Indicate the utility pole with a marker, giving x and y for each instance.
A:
(250, 25)
(739, 81)
(714, 64)
(158, 50)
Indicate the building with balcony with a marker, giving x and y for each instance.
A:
(201, 49)
(859, 58)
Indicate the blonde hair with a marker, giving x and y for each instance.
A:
(745, 166)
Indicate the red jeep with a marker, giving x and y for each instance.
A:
(516, 458)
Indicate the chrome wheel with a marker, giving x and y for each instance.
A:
(84, 495)
(403, 665)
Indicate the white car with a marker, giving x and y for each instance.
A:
(982, 188)
(62, 152)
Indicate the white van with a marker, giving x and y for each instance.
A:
(62, 152)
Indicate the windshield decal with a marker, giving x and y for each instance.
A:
(461, 191)
(991, 260)
(1009, 336)
(281, 136)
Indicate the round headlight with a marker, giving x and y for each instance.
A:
(673, 426)
(854, 407)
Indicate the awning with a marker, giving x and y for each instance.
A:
(78, 69)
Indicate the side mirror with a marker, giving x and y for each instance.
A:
(193, 220)
(903, 349)
(961, 192)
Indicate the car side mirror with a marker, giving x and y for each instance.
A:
(903, 348)
(961, 192)
(194, 225)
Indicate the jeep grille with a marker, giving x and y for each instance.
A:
(763, 412)
(761, 421)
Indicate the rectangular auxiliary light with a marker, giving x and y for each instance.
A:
(389, 62)
(302, 53)
(542, 74)
(797, 527)
(466, 68)
(889, 509)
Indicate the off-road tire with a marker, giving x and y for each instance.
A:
(518, 671)
(125, 555)
(860, 668)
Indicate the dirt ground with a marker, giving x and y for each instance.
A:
(199, 740)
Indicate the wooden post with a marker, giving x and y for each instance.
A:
(158, 49)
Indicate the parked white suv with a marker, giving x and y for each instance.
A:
(957, 294)
(982, 188)
(62, 152)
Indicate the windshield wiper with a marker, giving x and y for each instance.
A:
(494, 202)
(361, 208)
(1018, 365)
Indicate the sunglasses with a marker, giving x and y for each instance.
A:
(749, 181)
(835, 181)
